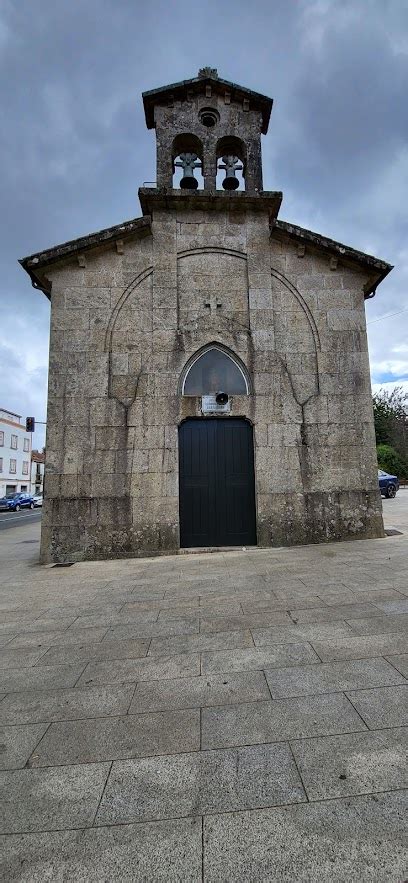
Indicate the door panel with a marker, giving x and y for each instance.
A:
(217, 487)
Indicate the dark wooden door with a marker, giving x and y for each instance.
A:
(217, 485)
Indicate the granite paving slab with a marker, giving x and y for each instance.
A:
(400, 662)
(118, 617)
(329, 677)
(55, 705)
(215, 689)
(24, 658)
(279, 720)
(102, 650)
(185, 626)
(332, 613)
(136, 735)
(378, 624)
(186, 605)
(276, 656)
(256, 605)
(122, 671)
(198, 643)
(210, 624)
(38, 625)
(58, 638)
(360, 646)
(39, 678)
(53, 799)
(357, 840)
(382, 707)
(229, 608)
(199, 783)
(400, 606)
(18, 743)
(164, 851)
(295, 634)
(360, 763)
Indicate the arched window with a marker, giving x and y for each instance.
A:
(231, 163)
(187, 158)
(212, 371)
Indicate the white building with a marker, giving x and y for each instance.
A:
(37, 471)
(15, 454)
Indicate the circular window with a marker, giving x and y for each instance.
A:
(209, 117)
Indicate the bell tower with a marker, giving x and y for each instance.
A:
(205, 126)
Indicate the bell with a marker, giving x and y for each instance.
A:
(231, 164)
(188, 162)
(189, 182)
(230, 183)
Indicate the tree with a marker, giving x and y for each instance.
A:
(391, 430)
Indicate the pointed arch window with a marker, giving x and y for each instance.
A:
(213, 371)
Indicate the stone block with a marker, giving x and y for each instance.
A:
(358, 837)
(187, 644)
(382, 707)
(122, 671)
(206, 782)
(56, 705)
(257, 658)
(400, 662)
(360, 763)
(331, 676)
(39, 678)
(51, 799)
(18, 743)
(136, 735)
(259, 722)
(124, 852)
(224, 689)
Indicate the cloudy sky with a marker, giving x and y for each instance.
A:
(74, 147)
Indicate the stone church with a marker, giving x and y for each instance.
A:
(209, 380)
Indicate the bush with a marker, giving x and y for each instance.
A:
(391, 461)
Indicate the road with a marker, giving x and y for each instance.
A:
(23, 518)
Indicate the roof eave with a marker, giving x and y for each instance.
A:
(36, 264)
(155, 96)
(377, 268)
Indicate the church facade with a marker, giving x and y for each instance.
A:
(209, 379)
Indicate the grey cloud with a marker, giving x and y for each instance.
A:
(75, 148)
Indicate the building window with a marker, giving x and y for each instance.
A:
(1, 464)
(23, 487)
(13, 466)
(13, 442)
(26, 445)
(1, 438)
(214, 371)
(25, 467)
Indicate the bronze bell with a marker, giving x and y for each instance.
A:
(188, 164)
(231, 164)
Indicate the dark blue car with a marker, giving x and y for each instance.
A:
(14, 502)
(389, 484)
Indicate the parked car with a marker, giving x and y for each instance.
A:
(389, 484)
(38, 499)
(14, 502)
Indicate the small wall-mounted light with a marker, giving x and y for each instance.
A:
(221, 398)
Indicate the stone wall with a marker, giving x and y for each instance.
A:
(123, 326)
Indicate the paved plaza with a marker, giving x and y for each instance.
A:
(236, 716)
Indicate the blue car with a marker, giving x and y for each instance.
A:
(14, 502)
(389, 484)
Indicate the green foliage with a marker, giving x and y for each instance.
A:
(391, 430)
(390, 461)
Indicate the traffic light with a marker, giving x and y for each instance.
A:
(30, 424)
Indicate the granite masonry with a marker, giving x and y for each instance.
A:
(206, 280)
